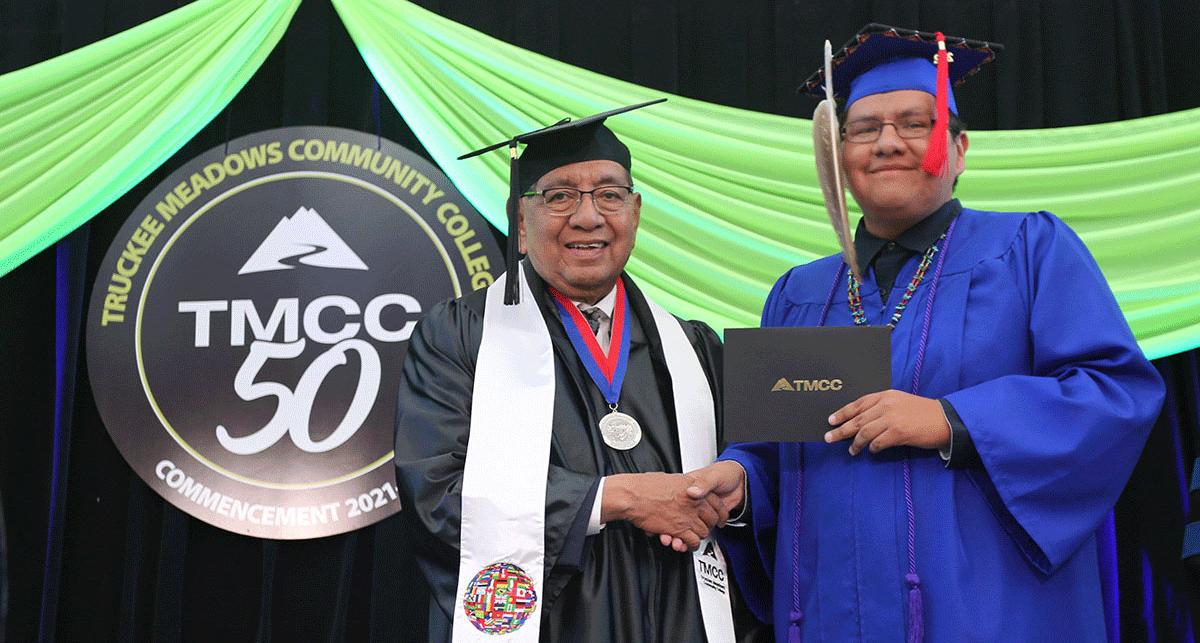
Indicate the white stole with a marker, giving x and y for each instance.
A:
(502, 540)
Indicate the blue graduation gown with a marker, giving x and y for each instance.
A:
(1028, 344)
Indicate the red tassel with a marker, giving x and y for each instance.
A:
(937, 153)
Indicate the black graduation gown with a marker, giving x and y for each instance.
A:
(618, 585)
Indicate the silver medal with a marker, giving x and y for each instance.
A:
(620, 431)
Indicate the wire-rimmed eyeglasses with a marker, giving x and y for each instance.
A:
(868, 130)
(607, 199)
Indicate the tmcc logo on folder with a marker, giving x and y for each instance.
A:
(804, 386)
(781, 383)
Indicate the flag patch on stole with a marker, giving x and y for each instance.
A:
(499, 598)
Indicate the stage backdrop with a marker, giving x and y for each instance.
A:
(132, 567)
(717, 182)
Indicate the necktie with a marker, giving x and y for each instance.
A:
(594, 317)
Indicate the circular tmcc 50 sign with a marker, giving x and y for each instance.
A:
(248, 324)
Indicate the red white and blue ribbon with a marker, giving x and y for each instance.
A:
(607, 369)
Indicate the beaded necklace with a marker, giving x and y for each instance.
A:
(854, 299)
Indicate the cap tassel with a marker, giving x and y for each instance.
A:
(937, 154)
(512, 277)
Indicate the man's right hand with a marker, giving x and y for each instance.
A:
(659, 503)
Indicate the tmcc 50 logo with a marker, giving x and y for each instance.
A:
(263, 328)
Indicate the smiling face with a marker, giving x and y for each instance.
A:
(580, 255)
(885, 176)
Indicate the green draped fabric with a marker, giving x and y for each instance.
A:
(730, 197)
(79, 130)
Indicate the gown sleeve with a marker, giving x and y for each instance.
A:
(433, 420)
(1057, 457)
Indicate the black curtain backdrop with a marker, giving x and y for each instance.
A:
(92, 554)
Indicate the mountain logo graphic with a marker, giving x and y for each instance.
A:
(303, 238)
(783, 385)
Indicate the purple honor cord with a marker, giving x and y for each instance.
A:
(916, 620)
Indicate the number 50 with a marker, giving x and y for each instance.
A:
(295, 407)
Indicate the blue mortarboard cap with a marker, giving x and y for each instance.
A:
(881, 58)
(896, 74)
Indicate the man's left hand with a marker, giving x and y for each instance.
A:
(891, 418)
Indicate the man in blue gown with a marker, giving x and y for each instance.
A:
(963, 505)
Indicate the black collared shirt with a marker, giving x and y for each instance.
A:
(888, 257)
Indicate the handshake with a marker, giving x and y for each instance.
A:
(681, 509)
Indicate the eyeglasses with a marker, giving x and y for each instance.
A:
(607, 199)
(868, 130)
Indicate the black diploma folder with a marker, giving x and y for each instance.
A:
(781, 384)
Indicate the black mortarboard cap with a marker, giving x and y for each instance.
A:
(549, 148)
